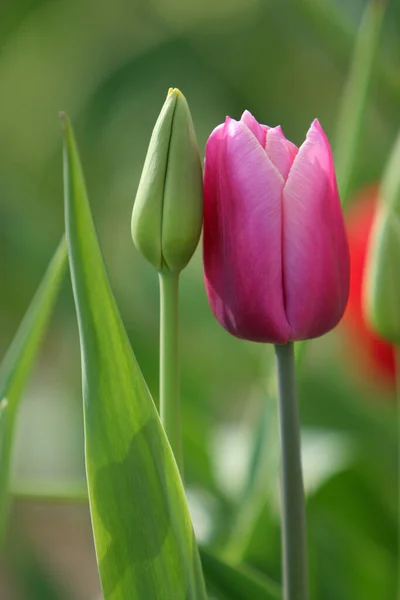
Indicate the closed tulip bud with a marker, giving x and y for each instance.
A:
(276, 257)
(168, 210)
(382, 285)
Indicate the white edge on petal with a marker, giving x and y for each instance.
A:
(232, 124)
(316, 129)
(279, 130)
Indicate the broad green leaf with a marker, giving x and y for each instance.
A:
(144, 539)
(17, 364)
(236, 583)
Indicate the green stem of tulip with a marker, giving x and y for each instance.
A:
(294, 549)
(170, 410)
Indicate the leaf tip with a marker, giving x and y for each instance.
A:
(65, 124)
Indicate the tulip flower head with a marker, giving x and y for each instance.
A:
(276, 258)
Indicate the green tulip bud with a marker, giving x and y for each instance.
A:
(382, 283)
(168, 210)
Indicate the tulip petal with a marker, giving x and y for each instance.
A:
(242, 236)
(259, 131)
(315, 249)
(280, 151)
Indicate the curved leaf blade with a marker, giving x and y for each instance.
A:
(18, 362)
(143, 534)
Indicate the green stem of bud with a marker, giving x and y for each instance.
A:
(170, 410)
(295, 579)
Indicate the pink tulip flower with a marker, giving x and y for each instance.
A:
(276, 257)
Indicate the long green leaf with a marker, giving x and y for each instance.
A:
(17, 364)
(355, 95)
(143, 534)
(236, 583)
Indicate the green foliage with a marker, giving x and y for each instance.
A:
(351, 118)
(143, 534)
(18, 362)
(236, 583)
(285, 60)
(34, 579)
(382, 292)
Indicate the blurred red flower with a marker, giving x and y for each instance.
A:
(374, 356)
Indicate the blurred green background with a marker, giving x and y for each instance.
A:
(109, 65)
